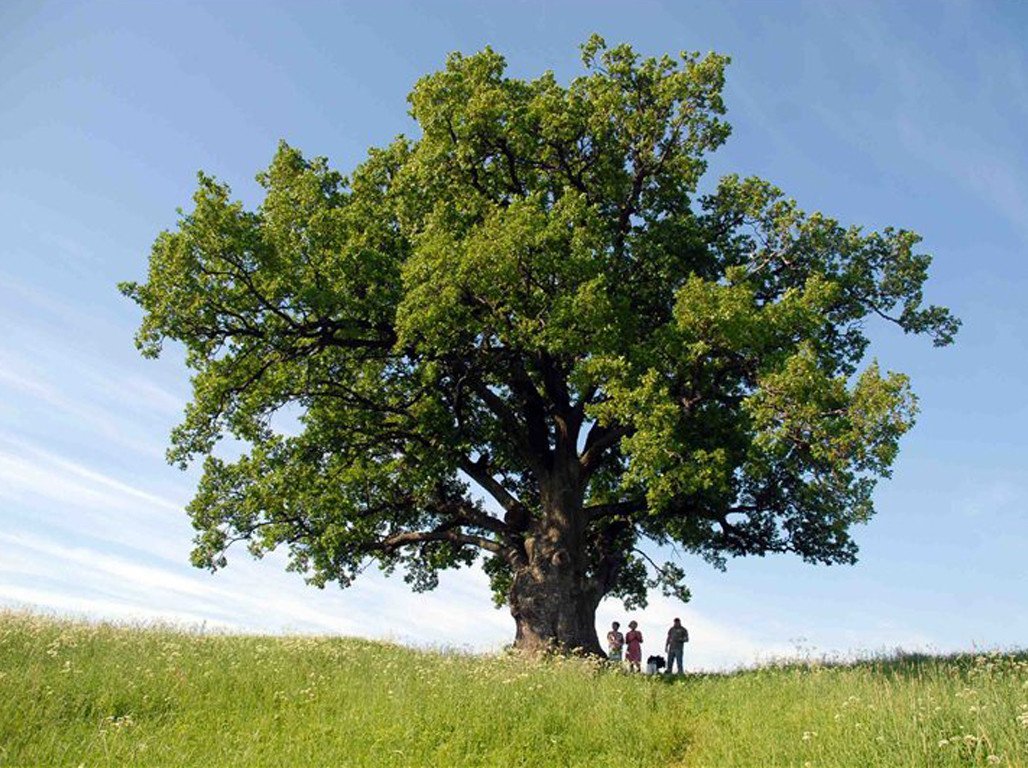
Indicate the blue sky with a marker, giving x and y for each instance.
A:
(910, 114)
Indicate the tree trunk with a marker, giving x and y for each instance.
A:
(551, 612)
(552, 599)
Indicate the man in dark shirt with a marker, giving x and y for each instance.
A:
(677, 637)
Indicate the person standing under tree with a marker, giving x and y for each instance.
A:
(634, 639)
(615, 642)
(677, 637)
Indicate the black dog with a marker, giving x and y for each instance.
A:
(657, 663)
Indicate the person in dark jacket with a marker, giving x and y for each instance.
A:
(677, 637)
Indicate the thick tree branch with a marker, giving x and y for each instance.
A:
(598, 441)
(399, 540)
(479, 471)
(534, 406)
(597, 511)
(567, 418)
(511, 424)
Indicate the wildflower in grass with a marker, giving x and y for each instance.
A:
(116, 723)
(994, 759)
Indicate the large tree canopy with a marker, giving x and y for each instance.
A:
(530, 303)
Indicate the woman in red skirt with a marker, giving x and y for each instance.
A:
(633, 647)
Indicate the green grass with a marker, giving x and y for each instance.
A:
(82, 694)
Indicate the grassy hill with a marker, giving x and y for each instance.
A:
(93, 695)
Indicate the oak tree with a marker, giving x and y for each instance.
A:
(524, 339)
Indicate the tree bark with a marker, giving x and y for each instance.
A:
(552, 600)
(553, 613)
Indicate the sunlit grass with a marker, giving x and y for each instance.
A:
(85, 694)
(898, 711)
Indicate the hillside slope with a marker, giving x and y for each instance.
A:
(82, 694)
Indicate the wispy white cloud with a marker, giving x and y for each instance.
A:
(132, 578)
(41, 397)
(70, 251)
(41, 302)
(62, 603)
(247, 596)
(43, 470)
